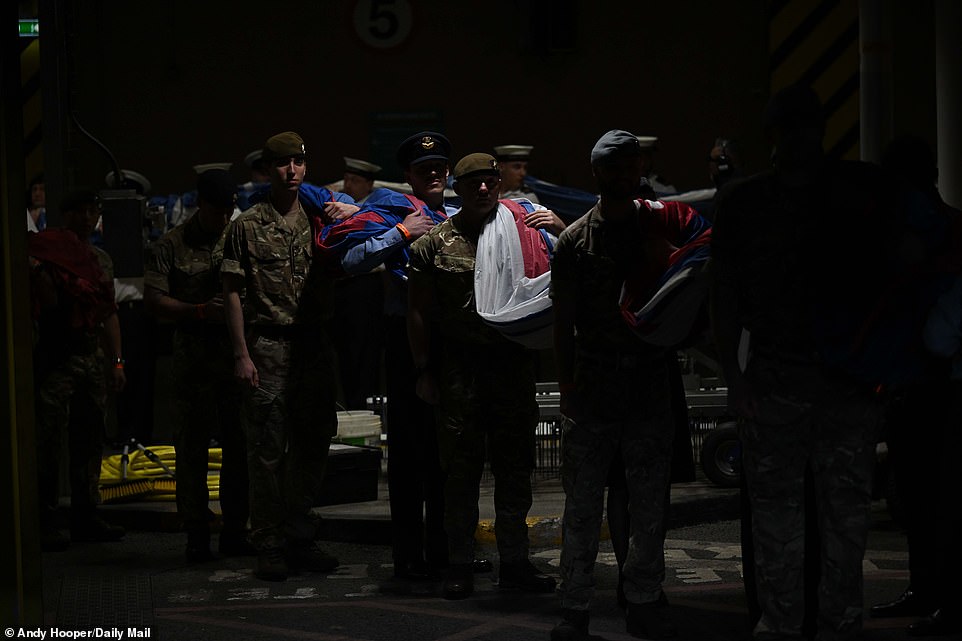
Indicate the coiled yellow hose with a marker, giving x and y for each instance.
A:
(148, 481)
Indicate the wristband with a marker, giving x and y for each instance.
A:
(404, 231)
(201, 311)
(119, 363)
(421, 369)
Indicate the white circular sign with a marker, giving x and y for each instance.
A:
(382, 23)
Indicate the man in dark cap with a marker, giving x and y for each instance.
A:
(284, 360)
(77, 359)
(615, 390)
(182, 286)
(798, 258)
(381, 233)
(483, 384)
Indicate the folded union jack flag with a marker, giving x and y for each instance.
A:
(665, 312)
(512, 276)
(381, 213)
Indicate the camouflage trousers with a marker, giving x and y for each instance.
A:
(288, 420)
(207, 405)
(833, 433)
(487, 404)
(589, 443)
(71, 399)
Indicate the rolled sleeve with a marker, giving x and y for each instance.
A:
(421, 256)
(234, 250)
(157, 269)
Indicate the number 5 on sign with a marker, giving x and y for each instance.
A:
(382, 23)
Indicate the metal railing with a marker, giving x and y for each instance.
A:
(705, 408)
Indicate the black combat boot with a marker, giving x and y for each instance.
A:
(87, 526)
(573, 626)
(307, 555)
(650, 620)
(271, 564)
(458, 582)
(198, 543)
(524, 576)
(480, 566)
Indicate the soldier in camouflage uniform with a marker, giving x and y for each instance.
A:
(73, 297)
(483, 383)
(182, 285)
(285, 362)
(615, 390)
(796, 258)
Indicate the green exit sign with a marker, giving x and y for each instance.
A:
(29, 28)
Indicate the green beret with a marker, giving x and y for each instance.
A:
(478, 163)
(284, 145)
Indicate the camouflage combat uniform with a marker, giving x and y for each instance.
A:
(185, 265)
(290, 418)
(487, 388)
(71, 398)
(769, 254)
(622, 404)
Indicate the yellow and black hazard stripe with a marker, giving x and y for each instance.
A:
(32, 106)
(815, 42)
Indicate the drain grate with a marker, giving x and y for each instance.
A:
(106, 601)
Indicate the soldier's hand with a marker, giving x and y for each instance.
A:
(417, 224)
(245, 372)
(545, 219)
(339, 211)
(427, 388)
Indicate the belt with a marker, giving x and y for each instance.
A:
(287, 332)
(131, 304)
